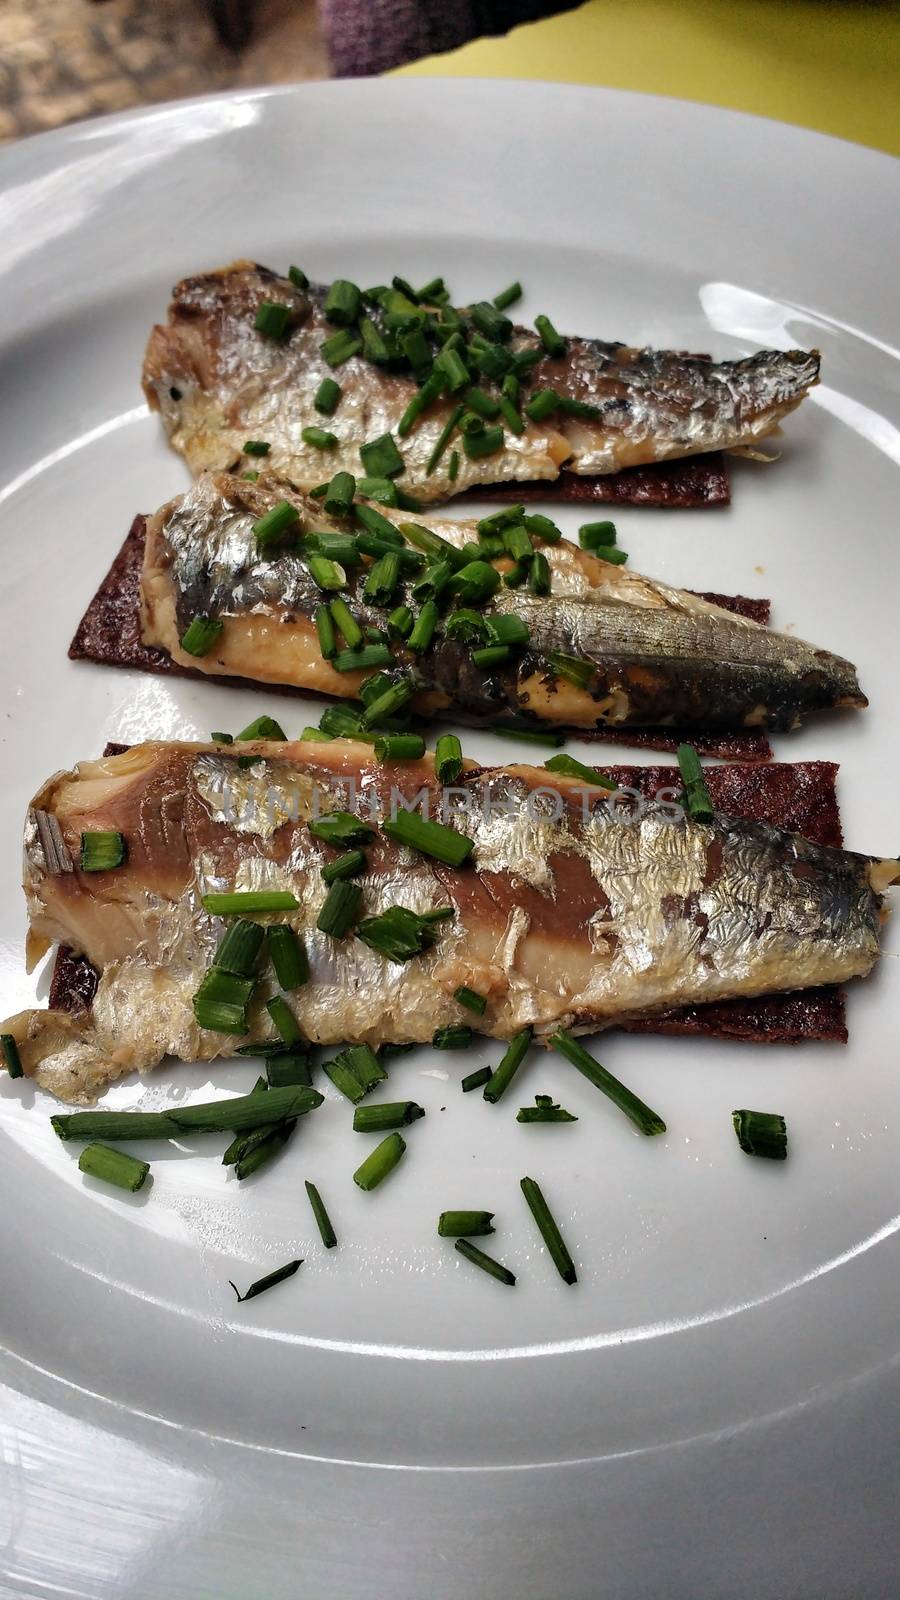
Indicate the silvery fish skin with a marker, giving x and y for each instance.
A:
(577, 909)
(217, 383)
(662, 656)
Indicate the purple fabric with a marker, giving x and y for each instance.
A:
(369, 36)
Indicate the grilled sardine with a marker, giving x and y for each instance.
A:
(218, 382)
(654, 655)
(575, 908)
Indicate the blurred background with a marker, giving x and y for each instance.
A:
(821, 63)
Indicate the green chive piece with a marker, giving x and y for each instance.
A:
(381, 458)
(250, 477)
(288, 1070)
(340, 909)
(417, 350)
(576, 769)
(539, 574)
(466, 626)
(553, 342)
(510, 415)
(476, 1079)
(510, 730)
(456, 1224)
(452, 369)
(399, 934)
(508, 1066)
(640, 1114)
(272, 318)
(382, 579)
(270, 528)
(338, 547)
(201, 634)
(380, 1163)
(323, 1221)
(355, 1071)
(11, 1056)
(249, 900)
(375, 347)
(348, 865)
(592, 534)
(542, 405)
(525, 358)
(545, 1109)
(327, 396)
(325, 631)
(284, 1020)
(240, 947)
(341, 829)
(346, 624)
(492, 655)
(578, 408)
(102, 851)
(487, 1263)
(508, 297)
(434, 286)
(220, 1004)
(481, 403)
(483, 444)
(268, 1282)
(400, 622)
(448, 758)
(443, 439)
(222, 738)
(371, 655)
(388, 703)
(371, 689)
(422, 631)
(543, 528)
(453, 466)
(298, 278)
(471, 999)
(761, 1133)
(382, 489)
(517, 543)
(113, 1166)
(549, 1230)
(432, 544)
(616, 558)
(506, 517)
(516, 575)
(256, 447)
(289, 960)
(381, 1118)
(339, 494)
(263, 1150)
(342, 302)
(340, 347)
(430, 391)
(237, 1115)
(491, 322)
(329, 575)
(573, 668)
(261, 728)
(507, 629)
(429, 838)
(458, 1037)
(696, 794)
(310, 735)
(475, 583)
(374, 522)
(114, 1125)
(400, 747)
(433, 580)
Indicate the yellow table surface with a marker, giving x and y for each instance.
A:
(823, 64)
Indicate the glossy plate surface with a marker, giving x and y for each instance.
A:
(707, 1410)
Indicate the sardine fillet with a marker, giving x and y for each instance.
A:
(216, 382)
(569, 915)
(662, 657)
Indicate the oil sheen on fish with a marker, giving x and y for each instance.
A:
(218, 382)
(659, 655)
(575, 909)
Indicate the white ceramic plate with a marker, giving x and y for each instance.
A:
(705, 1412)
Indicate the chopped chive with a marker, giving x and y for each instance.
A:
(430, 838)
(696, 794)
(578, 408)
(545, 1109)
(374, 522)
(380, 1163)
(492, 655)
(222, 738)
(433, 580)
(220, 1004)
(284, 1020)
(310, 735)
(382, 579)
(270, 528)
(327, 396)
(371, 655)
(640, 1114)
(454, 1037)
(342, 302)
(553, 342)
(102, 851)
(114, 1125)
(475, 583)
(371, 689)
(347, 865)
(484, 550)
(510, 415)
(457, 1224)
(417, 350)
(546, 736)
(340, 909)
(549, 1230)
(422, 631)
(288, 1070)
(11, 1055)
(542, 405)
(339, 493)
(508, 297)
(381, 489)
(262, 1151)
(341, 829)
(289, 960)
(453, 466)
(443, 439)
(361, 1060)
(347, 625)
(201, 634)
(506, 517)
(256, 447)
(298, 278)
(272, 318)
(434, 286)
(508, 1066)
(516, 576)
(526, 358)
(339, 547)
(507, 629)
(325, 631)
(483, 444)
(329, 575)
(491, 322)
(485, 1262)
(250, 477)
(340, 347)
(240, 947)
(761, 1133)
(381, 458)
(400, 934)
(374, 345)
(616, 558)
(381, 1118)
(543, 528)
(476, 1079)
(430, 391)
(113, 1166)
(339, 722)
(400, 622)
(576, 769)
(399, 747)
(471, 999)
(539, 574)
(431, 543)
(268, 1282)
(467, 626)
(388, 703)
(452, 369)
(592, 534)
(249, 900)
(323, 1221)
(261, 728)
(448, 758)
(237, 1115)
(573, 668)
